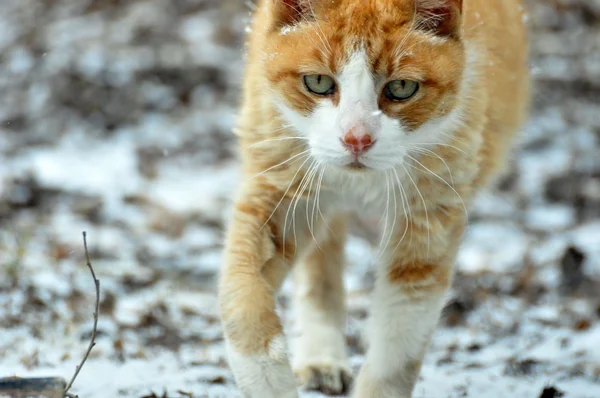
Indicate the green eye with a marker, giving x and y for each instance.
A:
(401, 90)
(319, 84)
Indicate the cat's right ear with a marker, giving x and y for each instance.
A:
(290, 12)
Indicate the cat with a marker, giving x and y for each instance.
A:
(396, 109)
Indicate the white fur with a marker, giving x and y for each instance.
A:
(320, 347)
(264, 376)
(398, 331)
(321, 333)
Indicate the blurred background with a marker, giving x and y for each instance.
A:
(116, 118)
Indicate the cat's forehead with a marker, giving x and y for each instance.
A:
(334, 48)
(370, 20)
(383, 32)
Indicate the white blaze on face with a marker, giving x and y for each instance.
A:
(358, 99)
(357, 110)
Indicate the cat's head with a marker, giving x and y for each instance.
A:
(366, 81)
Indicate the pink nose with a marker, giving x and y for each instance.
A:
(357, 143)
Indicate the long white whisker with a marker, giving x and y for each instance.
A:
(319, 207)
(310, 226)
(433, 154)
(424, 206)
(314, 214)
(391, 232)
(452, 137)
(296, 199)
(447, 184)
(276, 139)
(448, 146)
(281, 200)
(282, 163)
(322, 34)
(386, 217)
(406, 209)
(291, 205)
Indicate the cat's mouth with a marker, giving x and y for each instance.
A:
(356, 165)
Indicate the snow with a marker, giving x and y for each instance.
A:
(116, 119)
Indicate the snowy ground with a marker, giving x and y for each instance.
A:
(115, 119)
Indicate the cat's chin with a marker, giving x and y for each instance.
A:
(357, 167)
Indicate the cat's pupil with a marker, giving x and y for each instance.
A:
(319, 79)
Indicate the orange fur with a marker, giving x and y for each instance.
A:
(469, 56)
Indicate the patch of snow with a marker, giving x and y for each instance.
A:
(550, 217)
(492, 247)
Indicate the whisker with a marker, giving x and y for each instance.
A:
(447, 184)
(386, 217)
(453, 137)
(276, 139)
(433, 154)
(448, 146)
(281, 200)
(308, 220)
(390, 234)
(282, 163)
(290, 207)
(295, 200)
(424, 205)
(322, 34)
(314, 214)
(406, 209)
(398, 54)
(319, 207)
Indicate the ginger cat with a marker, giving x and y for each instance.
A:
(396, 109)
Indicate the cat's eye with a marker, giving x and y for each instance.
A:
(401, 90)
(319, 84)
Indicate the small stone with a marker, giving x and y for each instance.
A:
(552, 392)
(524, 367)
(571, 267)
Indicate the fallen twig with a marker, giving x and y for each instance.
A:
(95, 327)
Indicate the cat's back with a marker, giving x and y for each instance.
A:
(496, 31)
(500, 27)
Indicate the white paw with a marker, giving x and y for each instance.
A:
(320, 362)
(264, 376)
(330, 379)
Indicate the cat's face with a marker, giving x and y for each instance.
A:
(366, 82)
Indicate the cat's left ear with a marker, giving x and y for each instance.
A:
(290, 12)
(442, 17)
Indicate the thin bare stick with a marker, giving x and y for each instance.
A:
(95, 328)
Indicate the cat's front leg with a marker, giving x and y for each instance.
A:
(320, 358)
(408, 298)
(406, 305)
(256, 262)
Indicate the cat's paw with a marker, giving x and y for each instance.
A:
(264, 376)
(330, 379)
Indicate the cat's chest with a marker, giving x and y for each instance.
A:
(365, 197)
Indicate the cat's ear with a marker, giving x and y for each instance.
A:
(290, 12)
(442, 17)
